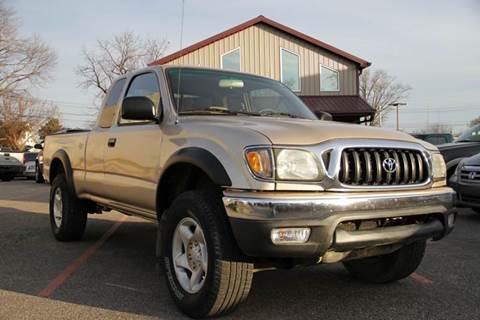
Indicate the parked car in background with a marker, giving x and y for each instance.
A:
(467, 145)
(13, 154)
(435, 138)
(29, 161)
(39, 163)
(10, 167)
(466, 181)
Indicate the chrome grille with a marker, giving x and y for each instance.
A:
(470, 174)
(364, 167)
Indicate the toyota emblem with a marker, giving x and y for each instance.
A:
(389, 165)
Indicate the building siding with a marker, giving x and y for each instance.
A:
(260, 54)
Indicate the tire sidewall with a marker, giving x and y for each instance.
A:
(38, 175)
(190, 303)
(59, 182)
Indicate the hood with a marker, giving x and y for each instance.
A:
(456, 145)
(290, 131)
(472, 161)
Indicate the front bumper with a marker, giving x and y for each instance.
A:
(254, 214)
(11, 170)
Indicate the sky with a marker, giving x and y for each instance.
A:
(432, 46)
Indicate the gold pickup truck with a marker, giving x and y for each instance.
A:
(241, 176)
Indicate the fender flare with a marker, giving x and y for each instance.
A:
(65, 160)
(204, 160)
(454, 162)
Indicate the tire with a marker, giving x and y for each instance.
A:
(228, 278)
(390, 267)
(38, 175)
(68, 215)
(477, 210)
(6, 177)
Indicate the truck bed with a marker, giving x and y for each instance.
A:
(71, 142)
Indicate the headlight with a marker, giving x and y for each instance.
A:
(296, 165)
(289, 164)
(439, 169)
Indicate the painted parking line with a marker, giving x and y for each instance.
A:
(420, 279)
(62, 277)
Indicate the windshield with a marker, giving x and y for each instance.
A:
(472, 134)
(203, 91)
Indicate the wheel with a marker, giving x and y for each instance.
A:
(38, 175)
(6, 177)
(68, 215)
(390, 267)
(205, 271)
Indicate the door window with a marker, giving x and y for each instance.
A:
(143, 85)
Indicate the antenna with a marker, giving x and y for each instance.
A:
(180, 69)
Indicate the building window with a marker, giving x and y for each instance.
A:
(290, 69)
(329, 79)
(231, 60)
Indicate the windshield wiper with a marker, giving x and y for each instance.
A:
(283, 114)
(216, 110)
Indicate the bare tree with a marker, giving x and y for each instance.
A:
(475, 121)
(112, 58)
(21, 116)
(51, 125)
(24, 61)
(380, 90)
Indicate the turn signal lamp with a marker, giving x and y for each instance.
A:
(260, 162)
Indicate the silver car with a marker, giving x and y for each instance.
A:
(10, 167)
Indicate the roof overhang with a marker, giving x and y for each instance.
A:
(339, 106)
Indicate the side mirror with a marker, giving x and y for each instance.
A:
(322, 115)
(138, 108)
(38, 146)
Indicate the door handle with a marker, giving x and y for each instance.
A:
(111, 142)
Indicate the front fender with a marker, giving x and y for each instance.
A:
(204, 160)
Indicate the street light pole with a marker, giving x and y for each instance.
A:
(396, 105)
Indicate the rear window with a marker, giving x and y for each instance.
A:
(30, 156)
(437, 140)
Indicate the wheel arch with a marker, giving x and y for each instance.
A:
(187, 169)
(61, 163)
(452, 165)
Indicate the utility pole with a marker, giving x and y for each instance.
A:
(397, 104)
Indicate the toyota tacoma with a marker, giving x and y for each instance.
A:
(241, 176)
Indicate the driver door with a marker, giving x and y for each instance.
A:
(133, 151)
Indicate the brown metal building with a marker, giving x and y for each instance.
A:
(325, 78)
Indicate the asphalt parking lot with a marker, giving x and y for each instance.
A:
(112, 274)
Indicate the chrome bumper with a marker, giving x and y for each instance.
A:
(253, 215)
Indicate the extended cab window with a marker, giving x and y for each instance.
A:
(111, 103)
(143, 85)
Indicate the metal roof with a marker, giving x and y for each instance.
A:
(339, 105)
